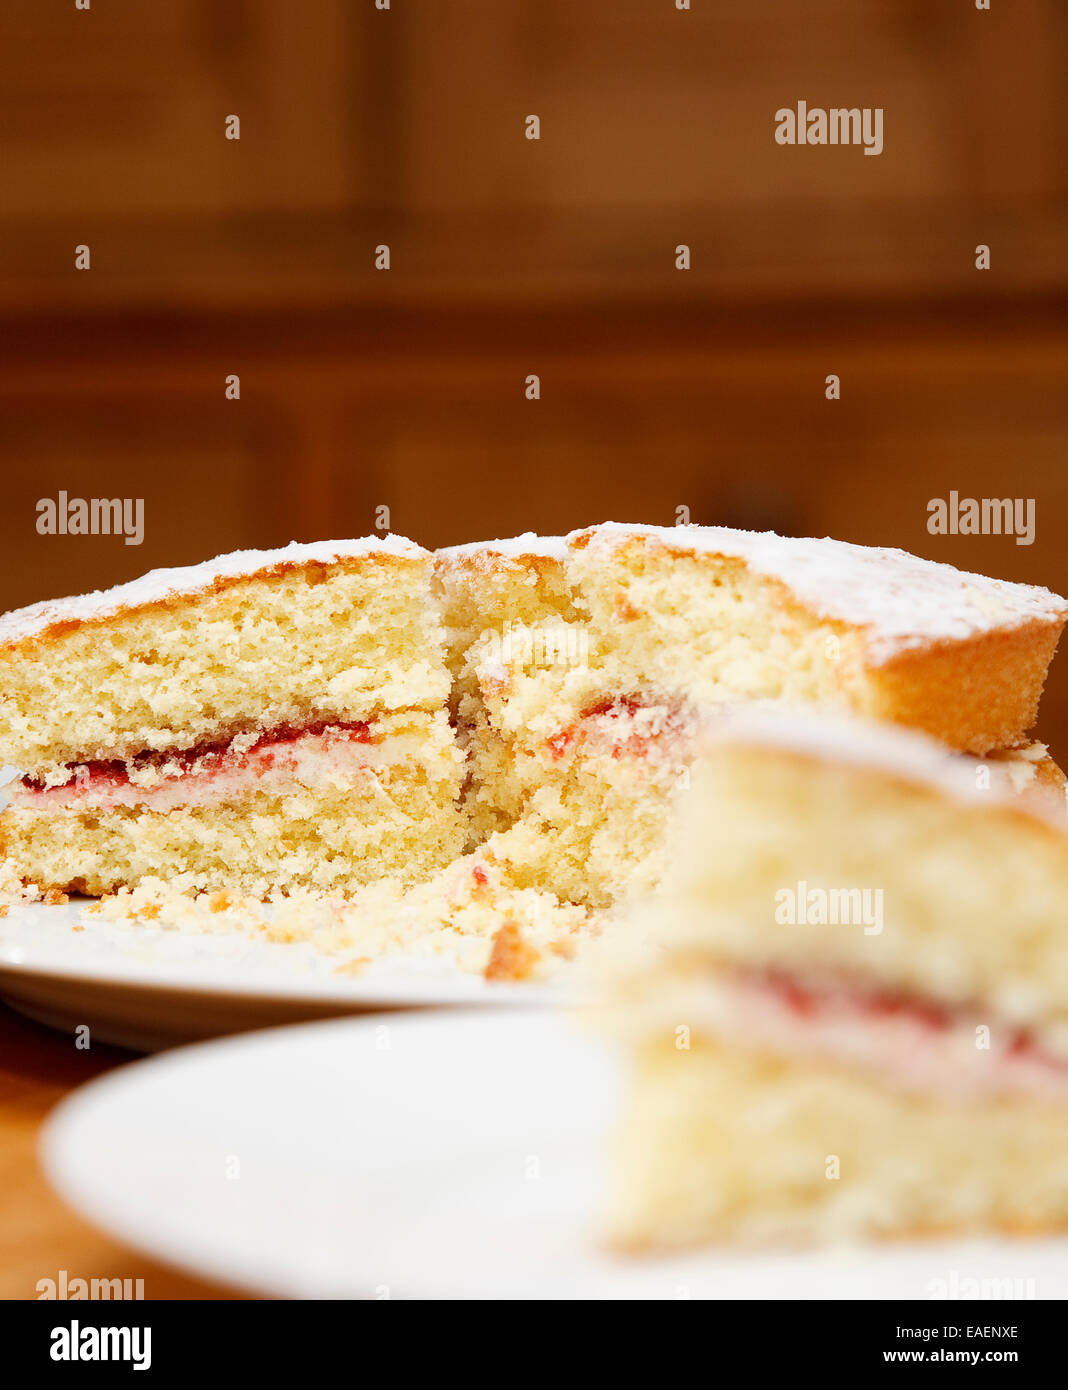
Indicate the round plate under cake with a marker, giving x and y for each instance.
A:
(146, 988)
(457, 1156)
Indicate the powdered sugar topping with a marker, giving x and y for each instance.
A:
(529, 544)
(158, 585)
(903, 601)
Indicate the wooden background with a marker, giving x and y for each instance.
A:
(660, 388)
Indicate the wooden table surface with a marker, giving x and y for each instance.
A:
(39, 1235)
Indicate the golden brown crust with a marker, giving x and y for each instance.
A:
(976, 695)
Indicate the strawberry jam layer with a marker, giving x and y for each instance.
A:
(314, 755)
(914, 1043)
(627, 726)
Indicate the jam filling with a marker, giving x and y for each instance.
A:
(812, 1002)
(208, 755)
(615, 721)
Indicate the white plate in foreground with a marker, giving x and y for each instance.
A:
(444, 1155)
(147, 987)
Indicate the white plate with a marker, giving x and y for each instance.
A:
(146, 987)
(423, 1155)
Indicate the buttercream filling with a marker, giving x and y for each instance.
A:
(278, 761)
(909, 1042)
(627, 726)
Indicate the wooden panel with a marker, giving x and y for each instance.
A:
(657, 127)
(642, 104)
(120, 109)
(205, 476)
(406, 126)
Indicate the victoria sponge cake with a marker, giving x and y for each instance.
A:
(329, 716)
(268, 720)
(848, 1013)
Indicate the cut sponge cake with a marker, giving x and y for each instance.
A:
(588, 666)
(269, 720)
(325, 715)
(853, 1016)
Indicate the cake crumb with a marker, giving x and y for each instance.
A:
(55, 896)
(353, 967)
(469, 915)
(14, 891)
(510, 957)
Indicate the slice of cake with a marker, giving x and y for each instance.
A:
(849, 1013)
(265, 721)
(588, 668)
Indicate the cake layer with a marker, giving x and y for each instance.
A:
(723, 1143)
(487, 586)
(331, 810)
(321, 755)
(899, 601)
(464, 914)
(787, 817)
(335, 632)
(723, 616)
